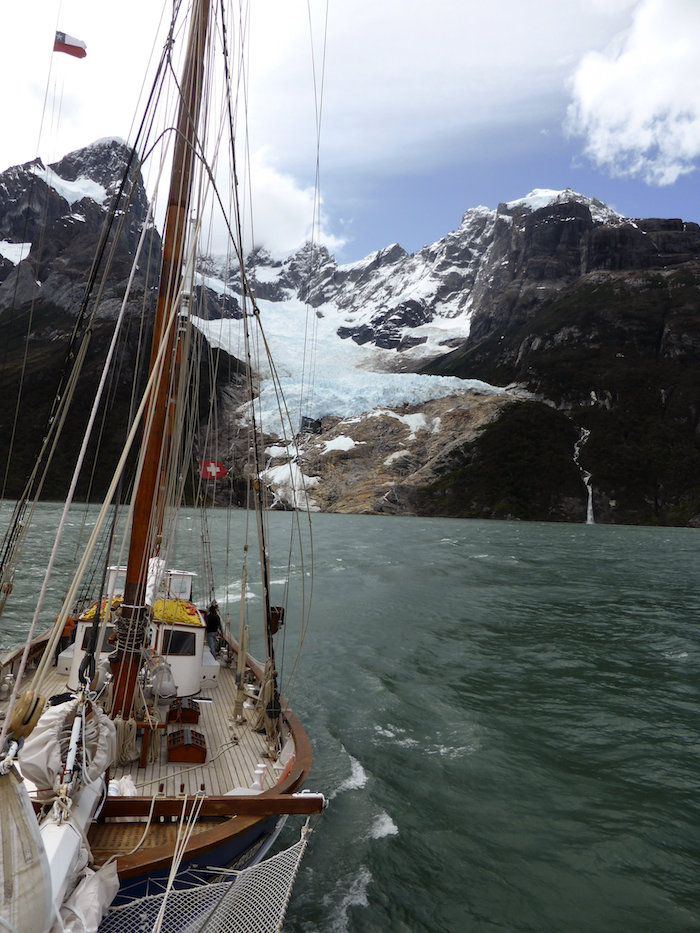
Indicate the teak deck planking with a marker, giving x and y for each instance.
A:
(228, 765)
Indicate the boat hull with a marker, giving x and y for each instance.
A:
(240, 851)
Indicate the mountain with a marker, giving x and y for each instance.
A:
(484, 375)
(602, 320)
(52, 219)
(591, 318)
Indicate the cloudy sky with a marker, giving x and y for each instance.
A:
(428, 108)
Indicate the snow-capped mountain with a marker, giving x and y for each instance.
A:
(51, 219)
(422, 304)
(593, 313)
(397, 364)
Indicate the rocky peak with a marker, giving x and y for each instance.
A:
(497, 263)
(544, 198)
(309, 265)
(58, 212)
(103, 162)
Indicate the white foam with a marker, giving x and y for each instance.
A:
(355, 897)
(397, 735)
(358, 778)
(386, 733)
(233, 592)
(449, 751)
(383, 826)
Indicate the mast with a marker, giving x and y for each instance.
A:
(149, 503)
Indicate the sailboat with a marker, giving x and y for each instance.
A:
(142, 753)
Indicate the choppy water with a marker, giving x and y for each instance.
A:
(505, 717)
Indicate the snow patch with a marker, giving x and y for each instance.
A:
(290, 486)
(215, 284)
(342, 442)
(276, 451)
(71, 191)
(543, 197)
(397, 455)
(107, 141)
(416, 422)
(536, 199)
(265, 274)
(14, 252)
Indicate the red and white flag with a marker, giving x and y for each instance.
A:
(70, 45)
(211, 469)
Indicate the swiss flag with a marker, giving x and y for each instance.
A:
(211, 469)
(68, 44)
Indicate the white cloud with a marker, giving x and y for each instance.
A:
(409, 87)
(83, 100)
(283, 214)
(406, 82)
(638, 103)
(284, 211)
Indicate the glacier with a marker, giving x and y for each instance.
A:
(322, 375)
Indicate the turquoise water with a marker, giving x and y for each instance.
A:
(505, 719)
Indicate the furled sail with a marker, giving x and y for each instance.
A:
(26, 884)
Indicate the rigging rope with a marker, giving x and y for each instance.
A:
(72, 591)
(75, 354)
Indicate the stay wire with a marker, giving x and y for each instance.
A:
(74, 357)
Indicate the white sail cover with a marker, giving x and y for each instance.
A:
(83, 910)
(41, 756)
(24, 869)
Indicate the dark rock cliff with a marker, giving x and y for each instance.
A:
(616, 345)
(61, 214)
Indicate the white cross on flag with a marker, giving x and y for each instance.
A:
(211, 469)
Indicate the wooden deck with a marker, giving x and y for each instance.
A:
(233, 749)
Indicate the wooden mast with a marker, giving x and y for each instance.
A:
(149, 503)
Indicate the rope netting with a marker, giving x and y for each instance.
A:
(252, 900)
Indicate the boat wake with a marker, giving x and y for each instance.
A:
(358, 778)
(356, 896)
(383, 826)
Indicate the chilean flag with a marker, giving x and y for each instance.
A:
(211, 469)
(68, 44)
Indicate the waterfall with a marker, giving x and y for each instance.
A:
(585, 475)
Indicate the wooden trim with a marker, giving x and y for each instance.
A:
(154, 858)
(8, 658)
(264, 804)
(224, 818)
(158, 857)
